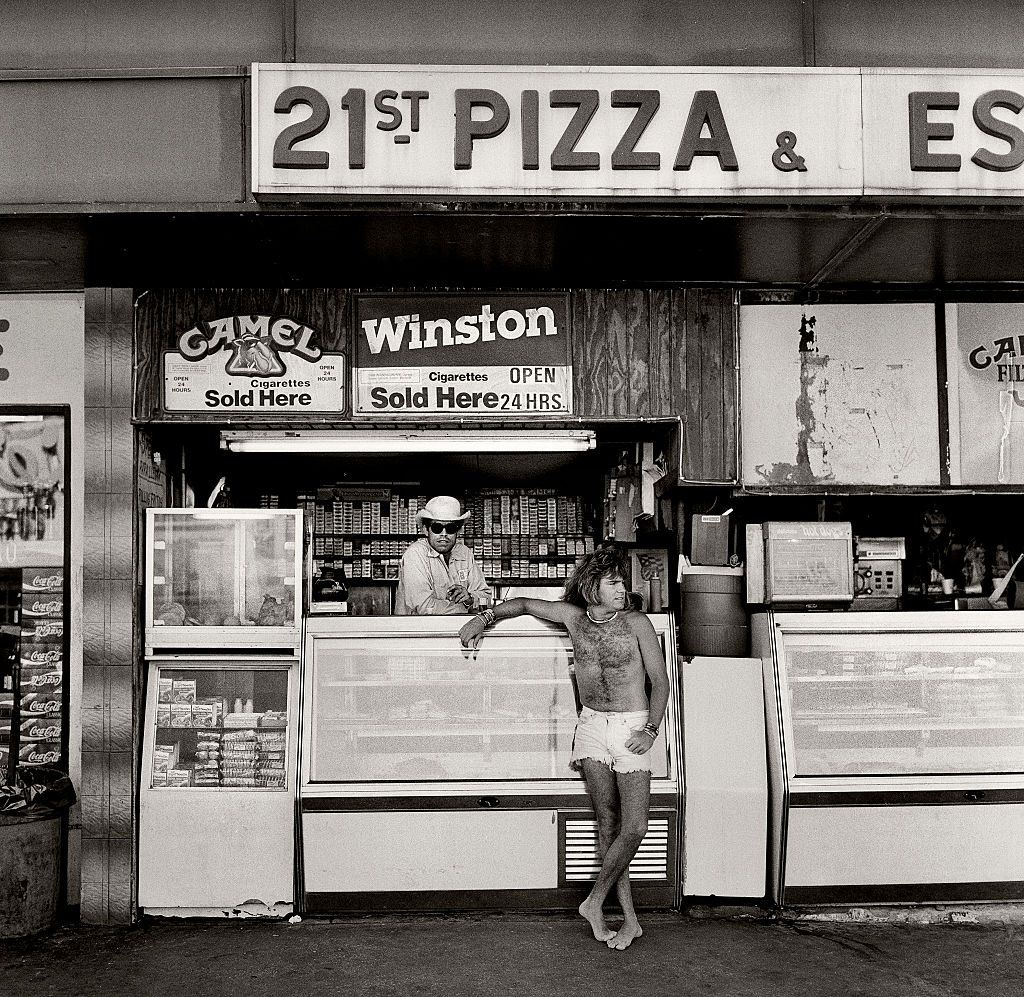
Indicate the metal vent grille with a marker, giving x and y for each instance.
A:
(582, 863)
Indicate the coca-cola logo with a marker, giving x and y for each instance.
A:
(46, 606)
(41, 732)
(46, 581)
(44, 706)
(43, 757)
(48, 630)
(41, 681)
(34, 657)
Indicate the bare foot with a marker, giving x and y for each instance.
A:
(623, 938)
(596, 920)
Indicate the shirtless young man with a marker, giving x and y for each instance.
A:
(615, 650)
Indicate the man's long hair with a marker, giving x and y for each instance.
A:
(582, 585)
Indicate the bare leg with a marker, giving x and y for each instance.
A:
(634, 801)
(604, 796)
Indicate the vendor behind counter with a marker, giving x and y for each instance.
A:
(439, 575)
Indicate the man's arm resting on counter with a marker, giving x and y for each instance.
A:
(542, 609)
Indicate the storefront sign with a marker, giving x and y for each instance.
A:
(986, 358)
(943, 133)
(252, 363)
(606, 131)
(488, 354)
(555, 131)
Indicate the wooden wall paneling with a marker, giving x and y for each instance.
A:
(660, 309)
(617, 346)
(709, 326)
(730, 401)
(642, 353)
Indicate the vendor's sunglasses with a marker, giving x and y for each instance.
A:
(450, 528)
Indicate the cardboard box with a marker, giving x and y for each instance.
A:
(164, 692)
(183, 691)
(181, 714)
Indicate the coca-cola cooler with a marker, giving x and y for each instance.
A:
(34, 591)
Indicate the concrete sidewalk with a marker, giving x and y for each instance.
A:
(516, 955)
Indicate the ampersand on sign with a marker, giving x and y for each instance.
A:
(784, 158)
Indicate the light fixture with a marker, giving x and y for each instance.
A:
(322, 441)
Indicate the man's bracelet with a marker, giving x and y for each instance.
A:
(651, 729)
(487, 616)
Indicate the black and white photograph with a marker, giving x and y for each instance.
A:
(512, 498)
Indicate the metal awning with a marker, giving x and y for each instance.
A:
(916, 246)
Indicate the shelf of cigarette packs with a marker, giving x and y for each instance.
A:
(527, 533)
(40, 705)
(210, 742)
(367, 536)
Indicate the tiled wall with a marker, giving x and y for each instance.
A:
(109, 680)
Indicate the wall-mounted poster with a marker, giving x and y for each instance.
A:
(838, 394)
(505, 355)
(985, 345)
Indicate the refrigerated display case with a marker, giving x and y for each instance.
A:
(896, 755)
(222, 578)
(445, 773)
(217, 798)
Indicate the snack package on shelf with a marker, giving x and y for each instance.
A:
(241, 720)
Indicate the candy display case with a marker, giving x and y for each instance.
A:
(218, 780)
(222, 578)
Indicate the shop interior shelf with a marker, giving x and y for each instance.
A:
(921, 677)
(200, 729)
(966, 723)
(388, 683)
(447, 728)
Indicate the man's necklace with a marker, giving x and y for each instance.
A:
(607, 619)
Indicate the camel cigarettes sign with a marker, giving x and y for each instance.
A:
(252, 363)
(494, 354)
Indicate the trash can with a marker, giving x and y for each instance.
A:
(30, 861)
(713, 618)
(32, 812)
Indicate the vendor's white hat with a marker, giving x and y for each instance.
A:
(443, 509)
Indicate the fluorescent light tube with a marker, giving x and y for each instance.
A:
(398, 441)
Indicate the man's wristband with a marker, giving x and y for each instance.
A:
(487, 616)
(651, 729)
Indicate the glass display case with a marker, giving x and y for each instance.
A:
(223, 577)
(903, 703)
(446, 772)
(416, 709)
(886, 727)
(220, 727)
(217, 794)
